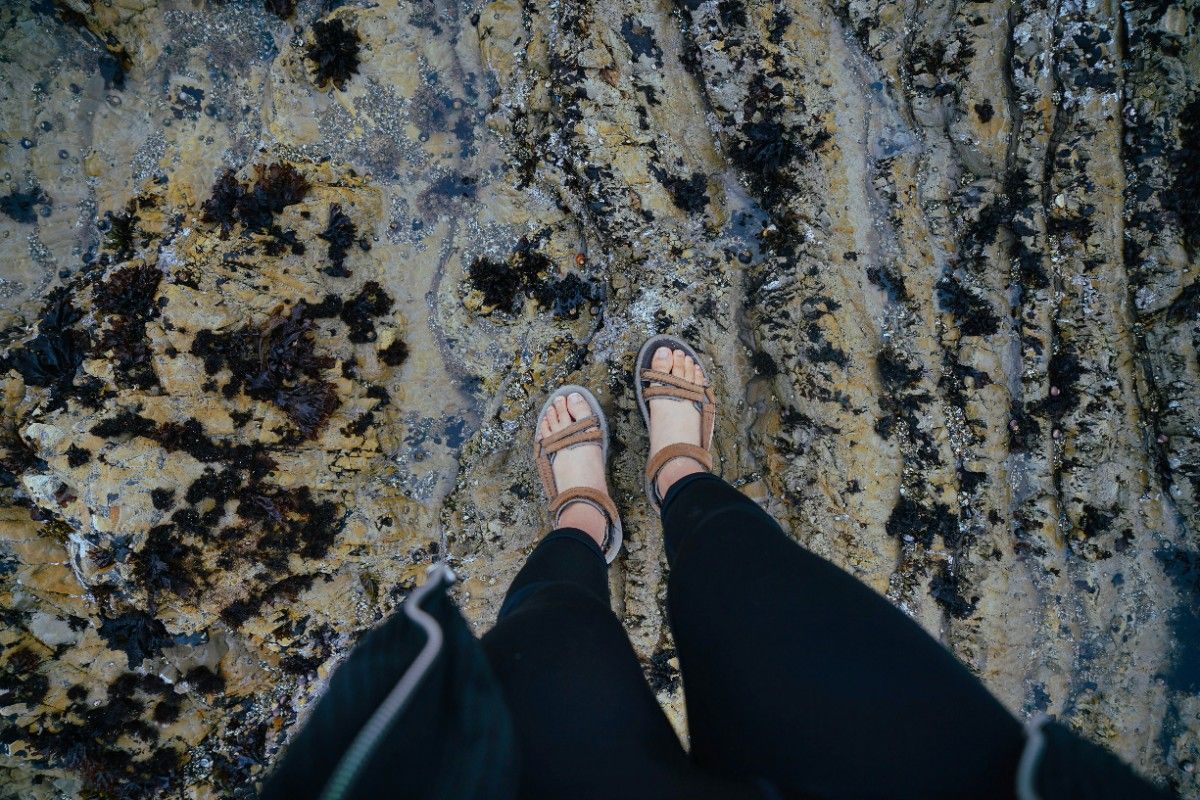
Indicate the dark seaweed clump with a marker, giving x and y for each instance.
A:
(125, 301)
(137, 634)
(946, 586)
(52, 358)
(280, 8)
(689, 194)
(120, 232)
(530, 274)
(85, 741)
(255, 205)
(394, 354)
(910, 519)
(334, 53)
(20, 681)
(1186, 189)
(341, 233)
(270, 523)
(276, 362)
(359, 312)
(661, 676)
(973, 314)
(77, 456)
(166, 562)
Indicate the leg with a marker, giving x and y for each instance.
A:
(796, 672)
(587, 723)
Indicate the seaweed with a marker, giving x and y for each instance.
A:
(912, 521)
(394, 354)
(222, 206)
(334, 53)
(129, 291)
(166, 563)
(763, 364)
(126, 303)
(291, 520)
(120, 231)
(77, 456)
(275, 187)
(358, 312)
(973, 314)
(162, 499)
(86, 741)
(1064, 371)
(895, 371)
(137, 634)
(500, 284)
(167, 710)
(52, 358)
(205, 680)
(528, 273)
(947, 587)
(280, 8)
(237, 612)
(1184, 194)
(341, 233)
(689, 194)
(21, 682)
(660, 674)
(278, 362)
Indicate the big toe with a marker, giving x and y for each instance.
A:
(578, 406)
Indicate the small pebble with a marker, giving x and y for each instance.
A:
(1055, 391)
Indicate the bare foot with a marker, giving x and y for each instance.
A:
(581, 465)
(673, 420)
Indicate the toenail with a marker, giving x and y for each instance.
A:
(663, 352)
(577, 397)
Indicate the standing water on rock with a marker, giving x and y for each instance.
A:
(283, 285)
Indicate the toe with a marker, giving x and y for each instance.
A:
(544, 428)
(689, 370)
(700, 378)
(662, 360)
(578, 406)
(564, 416)
(552, 423)
(678, 360)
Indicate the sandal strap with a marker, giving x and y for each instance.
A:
(680, 389)
(667, 378)
(578, 437)
(575, 427)
(696, 394)
(586, 494)
(545, 464)
(674, 451)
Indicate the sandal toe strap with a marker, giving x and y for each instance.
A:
(558, 440)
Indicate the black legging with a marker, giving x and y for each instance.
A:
(799, 680)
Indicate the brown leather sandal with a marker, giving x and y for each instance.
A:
(585, 431)
(677, 389)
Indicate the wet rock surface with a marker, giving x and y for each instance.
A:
(284, 283)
